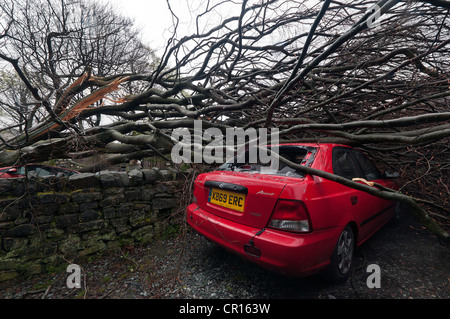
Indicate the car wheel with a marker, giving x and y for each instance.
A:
(342, 258)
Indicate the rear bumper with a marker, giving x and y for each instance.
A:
(283, 252)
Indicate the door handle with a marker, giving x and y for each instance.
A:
(354, 200)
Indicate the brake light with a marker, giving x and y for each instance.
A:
(290, 215)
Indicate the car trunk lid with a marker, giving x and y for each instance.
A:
(246, 198)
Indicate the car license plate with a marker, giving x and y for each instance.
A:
(227, 199)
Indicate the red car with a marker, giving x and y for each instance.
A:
(35, 170)
(287, 221)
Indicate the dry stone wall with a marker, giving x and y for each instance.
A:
(46, 222)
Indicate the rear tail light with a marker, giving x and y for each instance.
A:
(290, 215)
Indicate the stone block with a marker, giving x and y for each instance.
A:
(109, 212)
(122, 179)
(65, 221)
(70, 245)
(53, 198)
(55, 233)
(144, 234)
(6, 186)
(6, 225)
(9, 264)
(47, 210)
(14, 243)
(133, 195)
(148, 194)
(21, 231)
(109, 236)
(119, 222)
(69, 208)
(8, 275)
(138, 219)
(113, 200)
(136, 177)
(89, 215)
(143, 231)
(125, 209)
(166, 175)
(83, 180)
(88, 206)
(32, 268)
(39, 220)
(10, 213)
(93, 247)
(163, 203)
(89, 226)
(86, 197)
(150, 176)
(107, 179)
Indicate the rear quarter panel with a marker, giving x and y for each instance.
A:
(327, 207)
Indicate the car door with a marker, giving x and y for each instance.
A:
(382, 208)
(361, 204)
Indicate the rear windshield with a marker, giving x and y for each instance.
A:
(249, 162)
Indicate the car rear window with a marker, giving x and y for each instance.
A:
(245, 162)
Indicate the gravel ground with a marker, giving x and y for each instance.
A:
(413, 264)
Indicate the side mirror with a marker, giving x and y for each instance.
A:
(389, 174)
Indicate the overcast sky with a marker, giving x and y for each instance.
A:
(154, 17)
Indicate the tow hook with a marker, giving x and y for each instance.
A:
(250, 248)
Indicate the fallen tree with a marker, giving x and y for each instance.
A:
(372, 74)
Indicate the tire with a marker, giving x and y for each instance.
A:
(342, 258)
